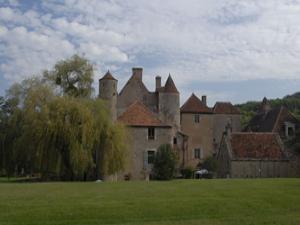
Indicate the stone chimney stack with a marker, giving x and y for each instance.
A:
(157, 82)
(137, 73)
(204, 100)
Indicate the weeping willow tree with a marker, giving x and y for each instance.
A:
(59, 136)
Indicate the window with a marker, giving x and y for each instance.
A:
(150, 156)
(291, 132)
(151, 133)
(197, 118)
(197, 153)
(175, 141)
(289, 129)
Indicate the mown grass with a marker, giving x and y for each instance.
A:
(179, 202)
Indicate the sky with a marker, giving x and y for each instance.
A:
(229, 50)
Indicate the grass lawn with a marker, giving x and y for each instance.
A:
(253, 201)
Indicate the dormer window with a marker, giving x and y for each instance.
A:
(289, 129)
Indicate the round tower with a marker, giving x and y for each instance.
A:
(168, 104)
(108, 92)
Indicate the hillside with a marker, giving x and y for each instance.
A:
(292, 102)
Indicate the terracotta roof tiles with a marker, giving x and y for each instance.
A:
(225, 108)
(256, 146)
(194, 105)
(137, 114)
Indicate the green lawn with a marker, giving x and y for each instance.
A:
(253, 201)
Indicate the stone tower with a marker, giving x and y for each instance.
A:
(108, 92)
(168, 103)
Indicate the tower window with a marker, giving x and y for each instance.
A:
(197, 118)
(151, 133)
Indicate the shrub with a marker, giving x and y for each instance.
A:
(187, 173)
(164, 163)
(210, 163)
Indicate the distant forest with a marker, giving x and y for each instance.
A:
(249, 109)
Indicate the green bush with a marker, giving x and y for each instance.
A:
(187, 173)
(210, 163)
(164, 163)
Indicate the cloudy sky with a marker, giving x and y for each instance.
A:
(230, 50)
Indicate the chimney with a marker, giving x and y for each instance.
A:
(204, 100)
(157, 82)
(137, 73)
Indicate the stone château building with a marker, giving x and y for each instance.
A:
(155, 117)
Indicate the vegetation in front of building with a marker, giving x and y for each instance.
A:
(164, 163)
(52, 127)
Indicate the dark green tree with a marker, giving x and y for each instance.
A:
(164, 163)
(210, 163)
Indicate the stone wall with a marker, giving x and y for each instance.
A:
(169, 108)
(136, 91)
(200, 136)
(220, 122)
(137, 165)
(260, 169)
(108, 92)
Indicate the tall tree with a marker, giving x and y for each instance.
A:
(74, 76)
(164, 163)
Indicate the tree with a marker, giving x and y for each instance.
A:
(164, 163)
(210, 163)
(67, 136)
(74, 76)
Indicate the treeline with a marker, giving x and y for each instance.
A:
(52, 127)
(249, 109)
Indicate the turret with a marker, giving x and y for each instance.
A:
(108, 92)
(168, 103)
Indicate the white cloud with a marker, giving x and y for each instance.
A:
(193, 40)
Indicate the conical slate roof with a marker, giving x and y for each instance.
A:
(170, 86)
(108, 76)
(194, 105)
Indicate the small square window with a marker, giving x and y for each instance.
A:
(151, 133)
(197, 153)
(150, 157)
(175, 141)
(197, 118)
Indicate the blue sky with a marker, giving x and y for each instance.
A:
(230, 50)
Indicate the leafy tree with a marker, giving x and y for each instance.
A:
(74, 76)
(61, 136)
(164, 163)
(210, 163)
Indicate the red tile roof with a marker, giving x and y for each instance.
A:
(108, 76)
(225, 108)
(194, 105)
(137, 114)
(256, 146)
